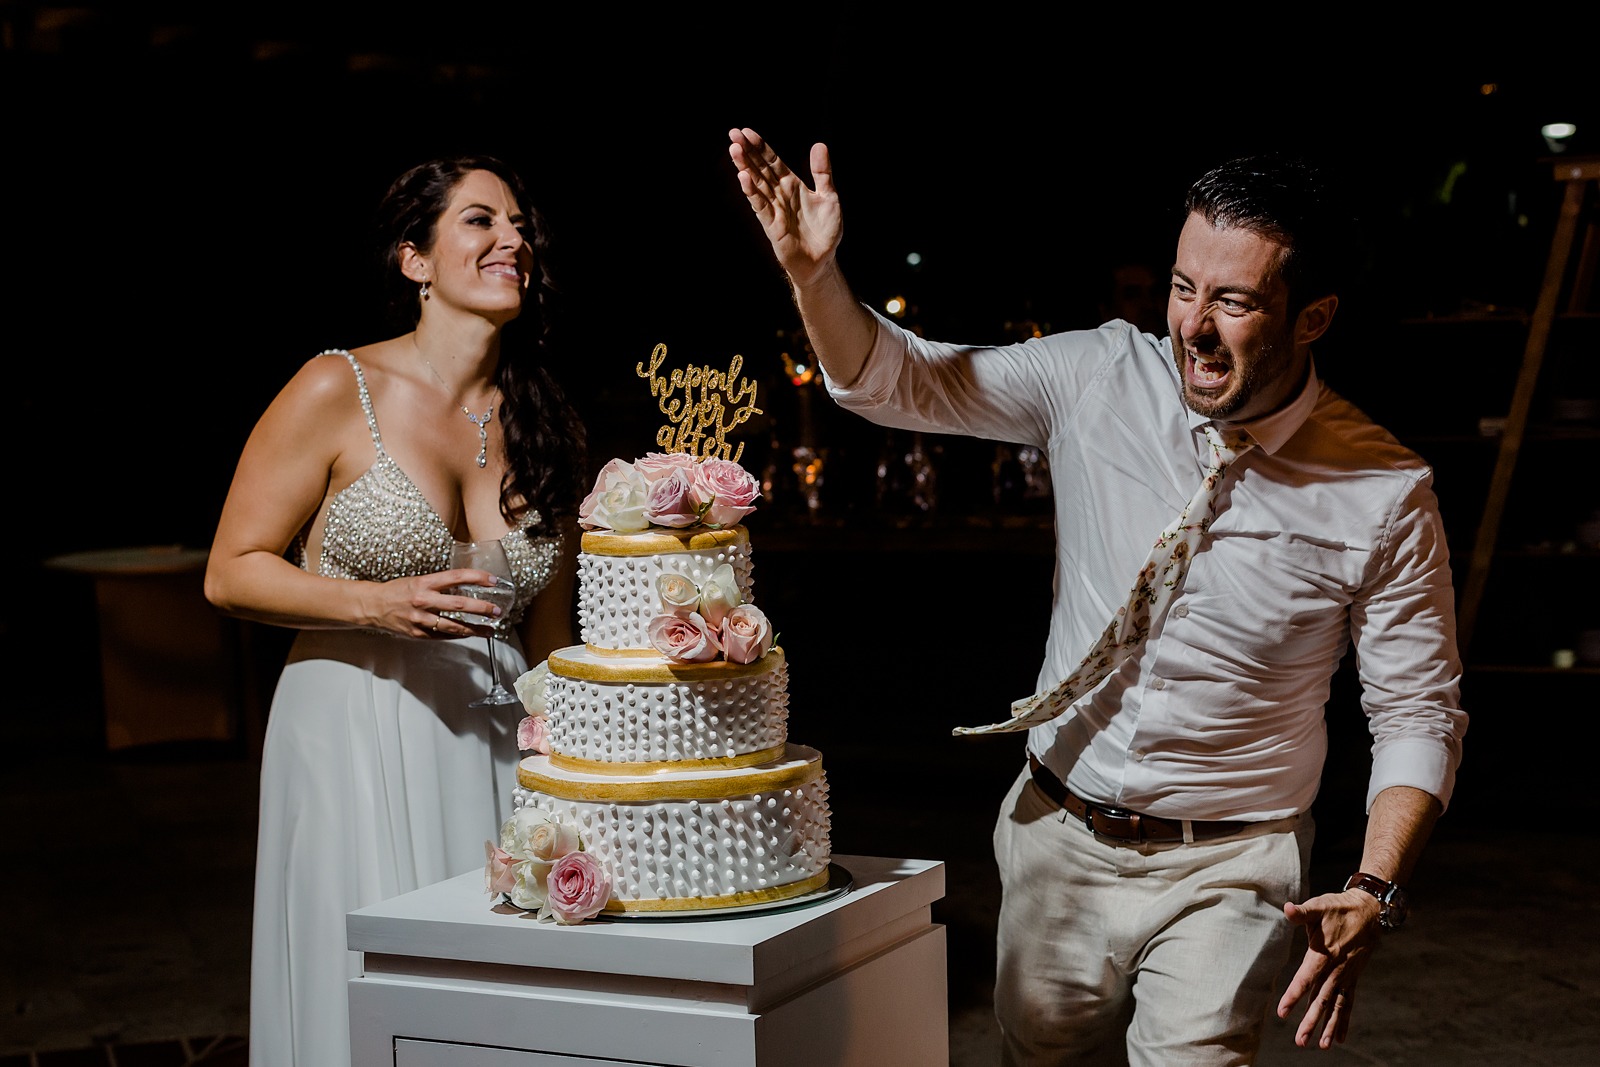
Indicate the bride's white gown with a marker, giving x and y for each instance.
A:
(376, 777)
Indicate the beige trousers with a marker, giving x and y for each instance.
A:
(1152, 954)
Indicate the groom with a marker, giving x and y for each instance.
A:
(1154, 849)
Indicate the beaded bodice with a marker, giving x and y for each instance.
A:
(380, 527)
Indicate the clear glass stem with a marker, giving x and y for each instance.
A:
(494, 667)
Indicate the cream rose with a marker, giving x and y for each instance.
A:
(677, 593)
(719, 595)
(621, 509)
(533, 834)
(530, 884)
(531, 688)
(613, 474)
(617, 500)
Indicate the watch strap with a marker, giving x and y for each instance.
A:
(1371, 883)
(1391, 898)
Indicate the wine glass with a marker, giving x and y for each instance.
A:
(502, 592)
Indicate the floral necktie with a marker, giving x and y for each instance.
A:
(1158, 579)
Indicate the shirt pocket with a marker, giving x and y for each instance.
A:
(1283, 594)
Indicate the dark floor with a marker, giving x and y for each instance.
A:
(129, 923)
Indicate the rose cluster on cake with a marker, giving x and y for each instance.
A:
(671, 489)
(709, 621)
(540, 865)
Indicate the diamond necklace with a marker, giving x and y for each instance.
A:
(480, 421)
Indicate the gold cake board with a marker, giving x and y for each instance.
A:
(728, 904)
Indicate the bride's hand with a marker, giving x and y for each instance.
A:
(418, 607)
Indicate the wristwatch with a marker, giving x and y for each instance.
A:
(1394, 900)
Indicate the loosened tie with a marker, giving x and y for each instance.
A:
(1153, 590)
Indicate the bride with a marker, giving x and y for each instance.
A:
(377, 778)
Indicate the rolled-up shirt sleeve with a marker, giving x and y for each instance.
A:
(1403, 628)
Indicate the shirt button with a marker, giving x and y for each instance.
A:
(1138, 755)
(1181, 611)
(1159, 683)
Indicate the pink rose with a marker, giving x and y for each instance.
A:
(685, 638)
(746, 634)
(578, 888)
(668, 501)
(499, 872)
(533, 735)
(657, 465)
(726, 491)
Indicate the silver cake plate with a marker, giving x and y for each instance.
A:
(840, 882)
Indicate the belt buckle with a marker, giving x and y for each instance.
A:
(1131, 818)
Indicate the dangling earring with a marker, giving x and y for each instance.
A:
(423, 292)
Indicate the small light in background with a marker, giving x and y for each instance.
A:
(896, 306)
(1557, 134)
(798, 371)
(914, 259)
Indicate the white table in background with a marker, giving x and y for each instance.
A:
(859, 979)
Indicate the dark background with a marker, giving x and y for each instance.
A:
(188, 190)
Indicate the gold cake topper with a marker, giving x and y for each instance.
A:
(713, 404)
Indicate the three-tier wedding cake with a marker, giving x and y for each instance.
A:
(657, 773)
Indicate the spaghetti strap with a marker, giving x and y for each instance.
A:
(361, 388)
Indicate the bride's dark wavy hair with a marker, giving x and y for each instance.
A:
(545, 441)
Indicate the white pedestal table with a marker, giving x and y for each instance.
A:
(450, 979)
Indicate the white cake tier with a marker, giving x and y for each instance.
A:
(680, 840)
(617, 575)
(638, 714)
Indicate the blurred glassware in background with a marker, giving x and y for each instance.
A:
(908, 480)
(924, 478)
(808, 466)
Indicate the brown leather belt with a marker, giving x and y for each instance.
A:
(1120, 824)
